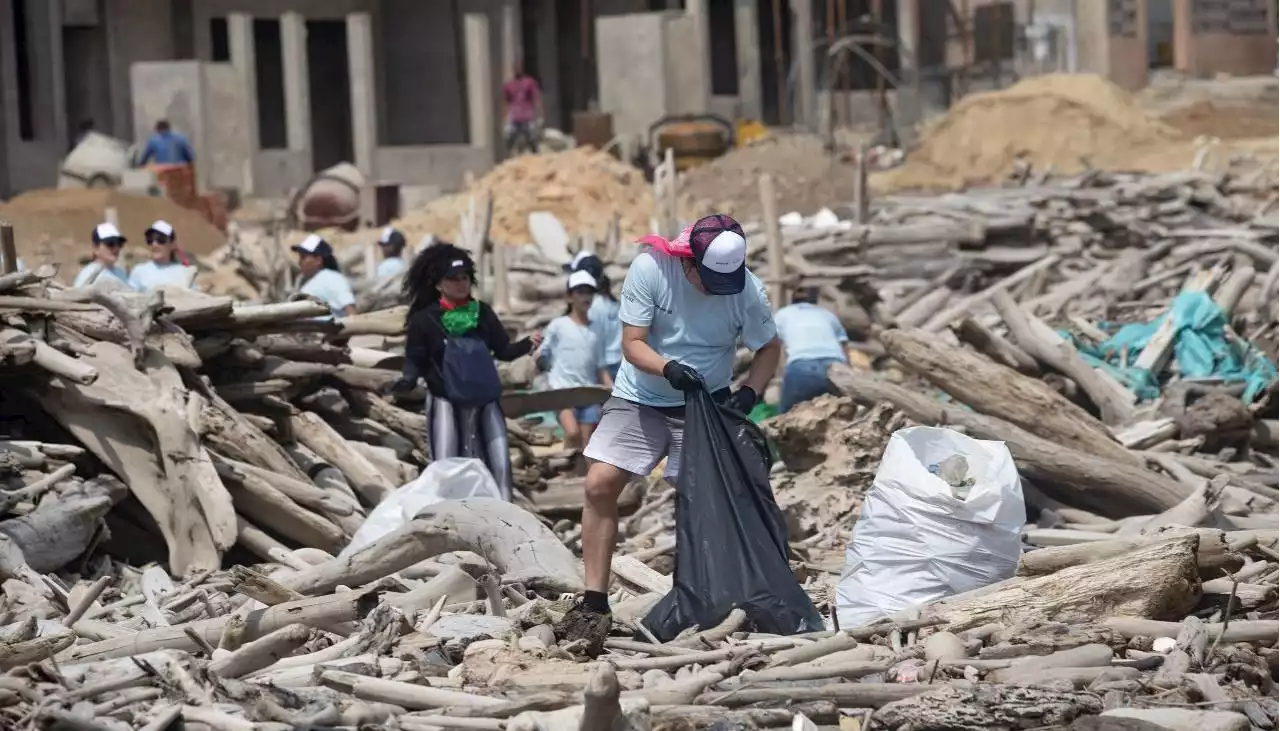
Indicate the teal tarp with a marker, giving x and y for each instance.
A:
(1203, 347)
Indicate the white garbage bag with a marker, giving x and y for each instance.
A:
(920, 538)
(456, 478)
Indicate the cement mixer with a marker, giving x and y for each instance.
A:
(98, 161)
(331, 199)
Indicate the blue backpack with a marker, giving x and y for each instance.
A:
(469, 373)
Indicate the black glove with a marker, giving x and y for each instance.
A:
(682, 377)
(743, 400)
(402, 385)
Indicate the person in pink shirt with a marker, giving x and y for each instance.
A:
(523, 101)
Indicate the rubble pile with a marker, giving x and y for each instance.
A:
(583, 187)
(183, 474)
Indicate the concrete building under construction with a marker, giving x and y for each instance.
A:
(270, 91)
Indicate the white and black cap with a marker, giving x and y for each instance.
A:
(582, 279)
(313, 244)
(720, 251)
(391, 238)
(162, 227)
(458, 266)
(107, 232)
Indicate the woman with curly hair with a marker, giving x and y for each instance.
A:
(451, 341)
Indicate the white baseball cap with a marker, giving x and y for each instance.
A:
(106, 232)
(582, 279)
(720, 251)
(161, 227)
(313, 244)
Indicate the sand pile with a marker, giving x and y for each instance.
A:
(806, 178)
(1055, 119)
(55, 225)
(583, 187)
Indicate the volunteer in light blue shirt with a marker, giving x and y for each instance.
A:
(391, 243)
(576, 357)
(322, 279)
(813, 339)
(167, 265)
(604, 309)
(686, 304)
(107, 242)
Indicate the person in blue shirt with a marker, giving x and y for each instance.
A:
(167, 147)
(576, 357)
(813, 339)
(686, 304)
(392, 245)
(107, 242)
(604, 310)
(321, 277)
(167, 264)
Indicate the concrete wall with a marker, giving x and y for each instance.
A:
(207, 103)
(33, 163)
(228, 144)
(1242, 42)
(137, 30)
(421, 58)
(276, 172)
(634, 84)
(688, 80)
(443, 165)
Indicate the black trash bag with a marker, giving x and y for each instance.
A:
(731, 539)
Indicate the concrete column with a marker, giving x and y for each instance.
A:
(802, 52)
(746, 30)
(55, 82)
(364, 112)
(240, 44)
(512, 47)
(548, 43)
(480, 112)
(700, 13)
(908, 96)
(297, 89)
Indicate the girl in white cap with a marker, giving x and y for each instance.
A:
(166, 266)
(576, 356)
(107, 242)
(321, 277)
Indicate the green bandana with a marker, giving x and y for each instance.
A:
(461, 320)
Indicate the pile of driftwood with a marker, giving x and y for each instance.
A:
(200, 433)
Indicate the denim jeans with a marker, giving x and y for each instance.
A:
(803, 380)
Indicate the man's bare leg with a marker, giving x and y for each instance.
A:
(589, 622)
(600, 522)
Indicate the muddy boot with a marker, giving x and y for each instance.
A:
(587, 624)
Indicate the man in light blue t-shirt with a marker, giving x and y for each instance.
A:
(682, 318)
(814, 339)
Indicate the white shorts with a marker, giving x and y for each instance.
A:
(635, 438)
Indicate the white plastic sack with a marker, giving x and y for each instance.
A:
(456, 478)
(915, 542)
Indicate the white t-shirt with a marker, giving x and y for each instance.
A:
(389, 266)
(607, 327)
(809, 332)
(574, 353)
(149, 275)
(94, 270)
(699, 330)
(331, 288)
